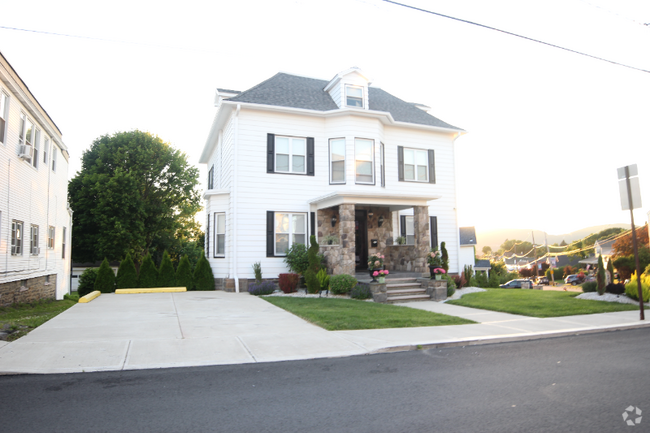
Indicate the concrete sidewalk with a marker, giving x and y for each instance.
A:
(156, 330)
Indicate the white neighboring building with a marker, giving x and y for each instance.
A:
(35, 221)
(296, 156)
(467, 247)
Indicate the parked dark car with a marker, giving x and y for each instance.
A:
(574, 279)
(516, 284)
(542, 281)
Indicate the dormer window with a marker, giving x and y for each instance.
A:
(354, 96)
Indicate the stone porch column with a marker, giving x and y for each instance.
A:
(347, 237)
(421, 231)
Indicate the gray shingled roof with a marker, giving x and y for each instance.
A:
(467, 236)
(286, 90)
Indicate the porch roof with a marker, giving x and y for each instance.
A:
(393, 201)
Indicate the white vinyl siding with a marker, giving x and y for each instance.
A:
(364, 161)
(290, 155)
(290, 228)
(416, 165)
(337, 160)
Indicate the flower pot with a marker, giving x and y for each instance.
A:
(371, 271)
(438, 277)
(431, 268)
(381, 280)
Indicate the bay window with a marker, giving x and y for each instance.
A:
(364, 160)
(337, 160)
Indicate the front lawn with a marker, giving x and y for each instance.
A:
(19, 319)
(537, 303)
(349, 314)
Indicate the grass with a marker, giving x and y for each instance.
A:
(537, 303)
(20, 319)
(349, 314)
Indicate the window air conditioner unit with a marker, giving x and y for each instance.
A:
(26, 151)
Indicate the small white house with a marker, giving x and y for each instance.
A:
(35, 221)
(340, 159)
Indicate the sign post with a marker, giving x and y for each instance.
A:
(631, 199)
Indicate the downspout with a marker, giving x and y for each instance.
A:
(8, 214)
(234, 199)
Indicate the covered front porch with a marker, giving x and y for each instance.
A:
(352, 227)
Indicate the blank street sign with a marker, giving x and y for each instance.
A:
(636, 193)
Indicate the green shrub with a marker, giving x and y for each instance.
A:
(323, 279)
(311, 280)
(148, 273)
(296, 258)
(615, 289)
(184, 273)
(590, 286)
(105, 281)
(87, 281)
(74, 296)
(257, 269)
(203, 277)
(494, 280)
(632, 290)
(444, 257)
(342, 284)
(127, 276)
(554, 274)
(167, 275)
(481, 279)
(361, 291)
(451, 285)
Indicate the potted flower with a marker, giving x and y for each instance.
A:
(375, 263)
(434, 259)
(380, 275)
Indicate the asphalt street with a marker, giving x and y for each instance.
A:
(580, 383)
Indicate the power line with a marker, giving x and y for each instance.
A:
(516, 35)
(616, 14)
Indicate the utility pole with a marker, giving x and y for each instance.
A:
(550, 263)
(535, 249)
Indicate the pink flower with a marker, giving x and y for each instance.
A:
(374, 274)
(377, 263)
(386, 272)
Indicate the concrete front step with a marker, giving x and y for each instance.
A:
(392, 285)
(413, 290)
(408, 298)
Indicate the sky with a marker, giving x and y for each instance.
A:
(546, 128)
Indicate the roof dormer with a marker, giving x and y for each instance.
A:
(349, 89)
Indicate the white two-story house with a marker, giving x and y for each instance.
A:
(35, 220)
(342, 160)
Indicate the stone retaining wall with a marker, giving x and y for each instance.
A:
(29, 290)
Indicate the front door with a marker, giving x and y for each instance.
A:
(361, 239)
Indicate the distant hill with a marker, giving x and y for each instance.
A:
(494, 238)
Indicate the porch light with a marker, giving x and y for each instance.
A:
(334, 221)
(380, 221)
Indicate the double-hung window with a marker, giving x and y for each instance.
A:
(354, 96)
(46, 149)
(50, 237)
(54, 158)
(219, 234)
(337, 160)
(37, 147)
(290, 155)
(33, 240)
(364, 160)
(26, 135)
(211, 177)
(416, 165)
(286, 230)
(4, 112)
(63, 244)
(16, 238)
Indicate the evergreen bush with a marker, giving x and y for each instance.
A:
(451, 285)
(184, 273)
(600, 276)
(342, 284)
(297, 259)
(167, 275)
(148, 277)
(105, 281)
(203, 277)
(615, 289)
(311, 280)
(444, 257)
(590, 286)
(87, 281)
(494, 280)
(481, 279)
(632, 290)
(127, 276)
(257, 269)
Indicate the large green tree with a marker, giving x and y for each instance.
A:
(134, 194)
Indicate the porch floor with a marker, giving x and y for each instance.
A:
(364, 276)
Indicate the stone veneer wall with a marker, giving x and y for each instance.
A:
(324, 222)
(346, 260)
(29, 290)
(383, 234)
(422, 238)
(403, 258)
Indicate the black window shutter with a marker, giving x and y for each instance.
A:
(400, 163)
(433, 228)
(270, 153)
(310, 156)
(207, 238)
(432, 166)
(312, 221)
(270, 218)
(402, 225)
